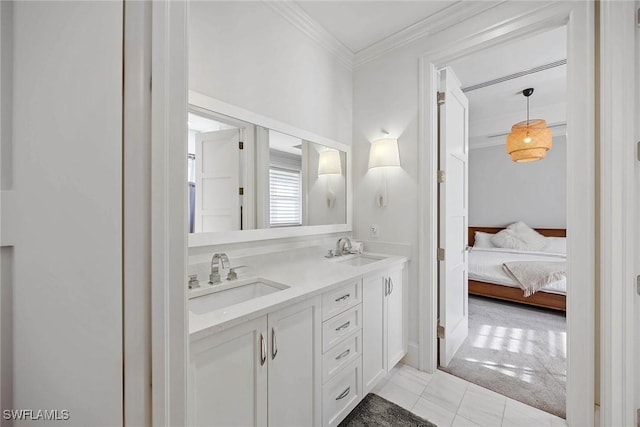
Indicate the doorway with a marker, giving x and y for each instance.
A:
(580, 203)
(499, 218)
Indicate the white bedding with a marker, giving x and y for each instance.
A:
(485, 265)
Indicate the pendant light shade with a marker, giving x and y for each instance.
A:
(529, 140)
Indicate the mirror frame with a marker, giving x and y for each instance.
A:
(208, 103)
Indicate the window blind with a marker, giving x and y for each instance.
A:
(285, 197)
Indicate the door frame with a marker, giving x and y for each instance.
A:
(169, 224)
(579, 19)
(618, 209)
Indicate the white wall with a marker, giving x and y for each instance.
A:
(246, 54)
(502, 191)
(386, 97)
(61, 211)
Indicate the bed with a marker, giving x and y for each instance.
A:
(486, 277)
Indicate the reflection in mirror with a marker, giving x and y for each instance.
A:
(243, 176)
(216, 173)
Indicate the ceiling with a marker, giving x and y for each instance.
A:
(360, 24)
(492, 109)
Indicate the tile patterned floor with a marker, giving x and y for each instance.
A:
(449, 401)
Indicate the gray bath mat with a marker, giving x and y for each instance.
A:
(375, 411)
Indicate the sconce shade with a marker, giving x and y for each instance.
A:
(329, 163)
(529, 142)
(384, 152)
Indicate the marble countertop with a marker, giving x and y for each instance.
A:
(306, 274)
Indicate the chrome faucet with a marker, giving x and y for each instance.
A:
(343, 248)
(218, 261)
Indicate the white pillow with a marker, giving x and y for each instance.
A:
(556, 245)
(521, 237)
(508, 239)
(532, 239)
(483, 240)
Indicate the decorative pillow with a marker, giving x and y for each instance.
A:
(556, 245)
(483, 240)
(508, 239)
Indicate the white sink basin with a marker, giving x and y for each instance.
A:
(359, 260)
(202, 301)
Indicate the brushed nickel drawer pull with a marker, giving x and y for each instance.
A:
(343, 354)
(274, 346)
(263, 351)
(346, 325)
(344, 393)
(344, 297)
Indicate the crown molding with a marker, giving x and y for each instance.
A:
(303, 22)
(441, 20)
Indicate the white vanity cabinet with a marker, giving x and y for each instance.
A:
(264, 372)
(342, 351)
(228, 377)
(384, 326)
(295, 365)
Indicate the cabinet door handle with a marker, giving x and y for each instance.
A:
(390, 285)
(346, 325)
(344, 394)
(343, 354)
(274, 346)
(263, 350)
(343, 297)
(386, 286)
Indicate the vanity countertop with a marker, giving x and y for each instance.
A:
(307, 276)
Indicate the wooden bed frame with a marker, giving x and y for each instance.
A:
(492, 290)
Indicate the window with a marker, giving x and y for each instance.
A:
(285, 197)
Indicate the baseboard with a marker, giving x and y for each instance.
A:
(412, 358)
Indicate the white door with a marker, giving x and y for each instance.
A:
(374, 354)
(453, 159)
(396, 343)
(228, 377)
(295, 367)
(217, 181)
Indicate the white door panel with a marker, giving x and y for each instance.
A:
(295, 367)
(453, 195)
(217, 181)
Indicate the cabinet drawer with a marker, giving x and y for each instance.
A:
(341, 394)
(341, 355)
(338, 300)
(341, 326)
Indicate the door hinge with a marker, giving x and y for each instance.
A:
(638, 284)
(241, 145)
(440, 254)
(638, 150)
(241, 191)
(441, 177)
(440, 331)
(440, 98)
(638, 16)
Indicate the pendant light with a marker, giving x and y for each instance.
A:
(529, 140)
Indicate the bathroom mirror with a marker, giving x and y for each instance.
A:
(252, 178)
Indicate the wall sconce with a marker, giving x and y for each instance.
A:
(383, 153)
(329, 164)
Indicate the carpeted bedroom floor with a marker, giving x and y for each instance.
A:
(517, 351)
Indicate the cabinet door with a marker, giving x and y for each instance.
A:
(396, 333)
(228, 379)
(374, 355)
(295, 367)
